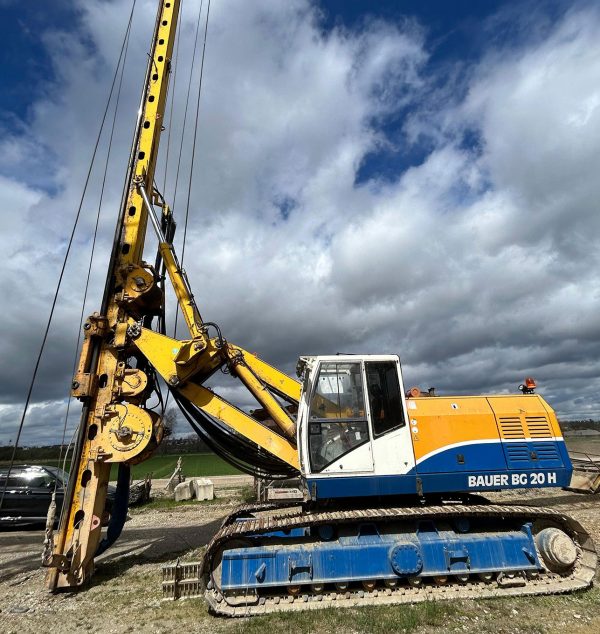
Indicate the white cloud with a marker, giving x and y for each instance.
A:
(477, 266)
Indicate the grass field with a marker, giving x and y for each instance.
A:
(194, 464)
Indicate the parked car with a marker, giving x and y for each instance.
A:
(29, 492)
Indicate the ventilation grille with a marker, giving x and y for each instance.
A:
(538, 427)
(517, 454)
(511, 427)
(528, 442)
(545, 451)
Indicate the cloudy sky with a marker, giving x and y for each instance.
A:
(389, 178)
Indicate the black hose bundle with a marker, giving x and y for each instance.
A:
(240, 452)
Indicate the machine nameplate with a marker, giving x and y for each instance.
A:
(532, 478)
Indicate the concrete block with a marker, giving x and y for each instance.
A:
(184, 491)
(203, 488)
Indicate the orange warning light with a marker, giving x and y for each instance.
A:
(528, 386)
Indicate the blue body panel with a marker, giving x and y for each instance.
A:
(369, 555)
(441, 473)
(498, 456)
(475, 457)
(367, 486)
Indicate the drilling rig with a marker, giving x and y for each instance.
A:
(393, 509)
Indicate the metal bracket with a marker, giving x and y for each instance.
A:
(294, 567)
(85, 383)
(460, 555)
(61, 562)
(419, 487)
(260, 573)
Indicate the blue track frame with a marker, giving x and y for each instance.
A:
(429, 551)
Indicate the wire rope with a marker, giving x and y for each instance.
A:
(187, 101)
(191, 174)
(64, 263)
(190, 180)
(94, 239)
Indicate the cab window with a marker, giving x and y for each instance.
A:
(329, 441)
(338, 422)
(338, 393)
(385, 402)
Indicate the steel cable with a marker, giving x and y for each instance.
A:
(189, 192)
(93, 248)
(187, 100)
(66, 257)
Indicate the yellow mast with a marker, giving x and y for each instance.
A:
(113, 427)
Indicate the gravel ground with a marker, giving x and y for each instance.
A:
(125, 595)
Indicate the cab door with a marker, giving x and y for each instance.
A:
(339, 441)
(392, 445)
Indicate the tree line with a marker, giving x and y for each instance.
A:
(172, 445)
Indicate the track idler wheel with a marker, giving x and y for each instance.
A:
(557, 549)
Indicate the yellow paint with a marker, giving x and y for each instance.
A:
(79, 531)
(447, 420)
(283, 384)
(264, 397)
(242, 423)
(164, 352)
(185, 301)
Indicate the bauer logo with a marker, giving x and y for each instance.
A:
(512, 479)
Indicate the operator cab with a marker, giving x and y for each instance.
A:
(352, 417)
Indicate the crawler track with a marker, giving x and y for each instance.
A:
(235, 528)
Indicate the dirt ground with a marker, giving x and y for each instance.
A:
(125, 595)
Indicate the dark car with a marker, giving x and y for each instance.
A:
(29, 491)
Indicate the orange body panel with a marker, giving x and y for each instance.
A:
(439, 422)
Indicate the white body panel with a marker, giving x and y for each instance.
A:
(358, 460)
(389, 454)
(393, 453)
